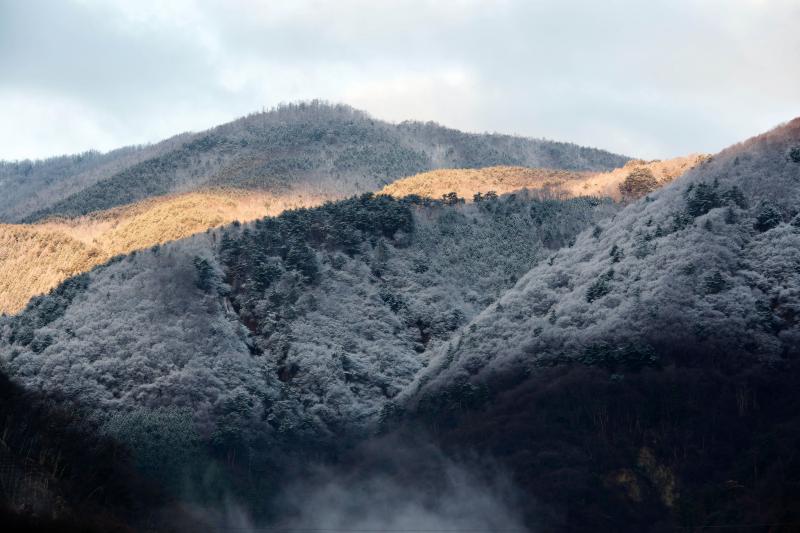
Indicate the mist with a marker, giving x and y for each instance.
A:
(387, 484)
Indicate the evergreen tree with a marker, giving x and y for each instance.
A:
(205, 274)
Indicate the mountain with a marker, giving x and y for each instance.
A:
(83, 210)
(649, 371)
(247, 346)
(707, 261)
(523, 360)
(35, 258)
(282, 292)
(314, 148)
(636, 179)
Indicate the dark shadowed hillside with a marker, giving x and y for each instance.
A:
(314, 147)
(58, 474)
(646, 376)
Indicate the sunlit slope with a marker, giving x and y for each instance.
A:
(637, 177)
(465, 183)
(35, 257)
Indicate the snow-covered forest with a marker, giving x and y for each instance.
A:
(581, 343)
(309, 321)
(312, 147)
(704, 270)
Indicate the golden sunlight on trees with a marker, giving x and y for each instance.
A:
(34, 258)
(625, 183)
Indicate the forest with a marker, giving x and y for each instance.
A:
(313, 147)
(522, 360)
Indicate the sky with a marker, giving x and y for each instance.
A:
(650, 79)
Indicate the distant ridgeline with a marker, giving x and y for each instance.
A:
(29, 186)
(313, 147)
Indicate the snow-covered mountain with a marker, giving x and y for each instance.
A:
(705, 268)
(624, 357)
(311, 320)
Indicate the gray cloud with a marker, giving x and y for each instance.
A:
(651, 79)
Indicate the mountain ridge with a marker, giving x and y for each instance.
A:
(30, 183)
(724, 208)
(318, 147)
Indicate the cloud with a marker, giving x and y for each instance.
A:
(450, 95)
(40, 118)
(651, 79)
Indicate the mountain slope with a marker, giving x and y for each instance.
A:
(636, 179)
(708, 261)
(35, 258)
(648, 372)
(260, 345)
(33, 185)
(467, 182)
(319, 149)
(265, 314)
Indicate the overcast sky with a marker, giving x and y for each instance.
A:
(647, 78)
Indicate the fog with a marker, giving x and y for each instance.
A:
(389, 485)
